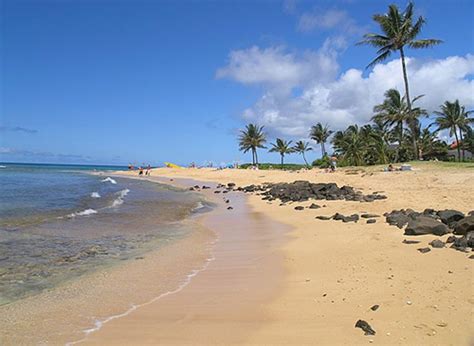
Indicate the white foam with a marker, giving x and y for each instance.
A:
(198, 206)
(120, 198)
(3, 166)
(110, 180)
(95, 195)
(98, 324)
(83, 213)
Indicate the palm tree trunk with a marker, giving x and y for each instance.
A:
(323, 150)
(253, 157)
(306, 162)
(282, 156)
(457, 147)
(400, 140)
(407, 93)
(256, 157)
(462, 143)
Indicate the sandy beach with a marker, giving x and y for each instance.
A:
(333, 272)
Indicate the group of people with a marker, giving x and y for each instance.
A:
(141, 169)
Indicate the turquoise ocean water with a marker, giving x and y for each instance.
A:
(58, 222)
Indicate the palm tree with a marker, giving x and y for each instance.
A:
(464, 126)
(394, 111)
(431, 146)
(283, 147)
(399, 30)
(302, 147)
(351, 144)
(449, 118)
(252, 138)
(320, 134)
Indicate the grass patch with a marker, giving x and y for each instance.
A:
(266, 166)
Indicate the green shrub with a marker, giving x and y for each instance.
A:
(286, 166)
(323, 162)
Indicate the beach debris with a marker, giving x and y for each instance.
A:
(314, 206)
(442, 324)
(374, 307)
(437, 244)
(371, 221)
(409, 302)
(424, 249)
(325, 218)
(299, 207)
(406, 241)
(365, 327)
(464, 226)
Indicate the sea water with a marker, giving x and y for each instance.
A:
(58, 222)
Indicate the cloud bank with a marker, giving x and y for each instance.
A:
(338, 99)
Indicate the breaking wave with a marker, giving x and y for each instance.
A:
(119, 200)
(110, 180)
(95, 195)
(83, 213)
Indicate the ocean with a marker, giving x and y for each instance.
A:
(58, 222)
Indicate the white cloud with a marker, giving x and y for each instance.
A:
(278, 69)
(343, 99)
(327, 20)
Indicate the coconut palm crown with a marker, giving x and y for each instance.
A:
(301, 148)
(251, 139)
(399, 29)
(282, 147)
(320, 133)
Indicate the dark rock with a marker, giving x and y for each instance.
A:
(229, 208)
(338, 216)
(369, 216)
(437, 244)
(429, 212)
(217, 191)
(425, 225)
(464, 226)
(197, 187)
(365, 327)
(191, 189)
(450, 239)
(351, 218)
(471, 213)
(424, 249)
(397, 218)
(371, 221)
(405, 241)
(450, 216)
(299, 207)
(374, 307)
(231, 185)
(325, 218)
(225, 191)
(470, 239)
(204, 187)
(471, 257)
(227, 201)
(314, 206)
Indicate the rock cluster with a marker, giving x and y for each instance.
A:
(302, 190)
(439, 223)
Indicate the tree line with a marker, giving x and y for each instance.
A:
(395, 133)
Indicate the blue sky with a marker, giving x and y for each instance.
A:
(153, 81)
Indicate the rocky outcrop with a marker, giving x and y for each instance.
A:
(425, 225)
(464, 226)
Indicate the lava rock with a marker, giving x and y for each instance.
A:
(314, 206)
(371, 221)
(325, 218)
(437, 244)
(425, 225)
(365, 327)
(450, 239)
(450, 216)
(374, 307)
(299, 207)
(464, 226)
(406, 241)
(229, 208)
(424, 249)
(369, 216)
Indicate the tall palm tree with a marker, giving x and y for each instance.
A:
(394, 112)
(252, 138)
(320, 134)
(398, 30)
(301, 148)
(283, 147)
(464, 126)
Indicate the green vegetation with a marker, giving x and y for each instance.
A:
(395, 133)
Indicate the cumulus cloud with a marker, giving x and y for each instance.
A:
(340, 99)
(278, 69)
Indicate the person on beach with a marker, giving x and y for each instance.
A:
(148, 170)
(140, 170)
(333, 162)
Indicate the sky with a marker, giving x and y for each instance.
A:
(117, 82)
